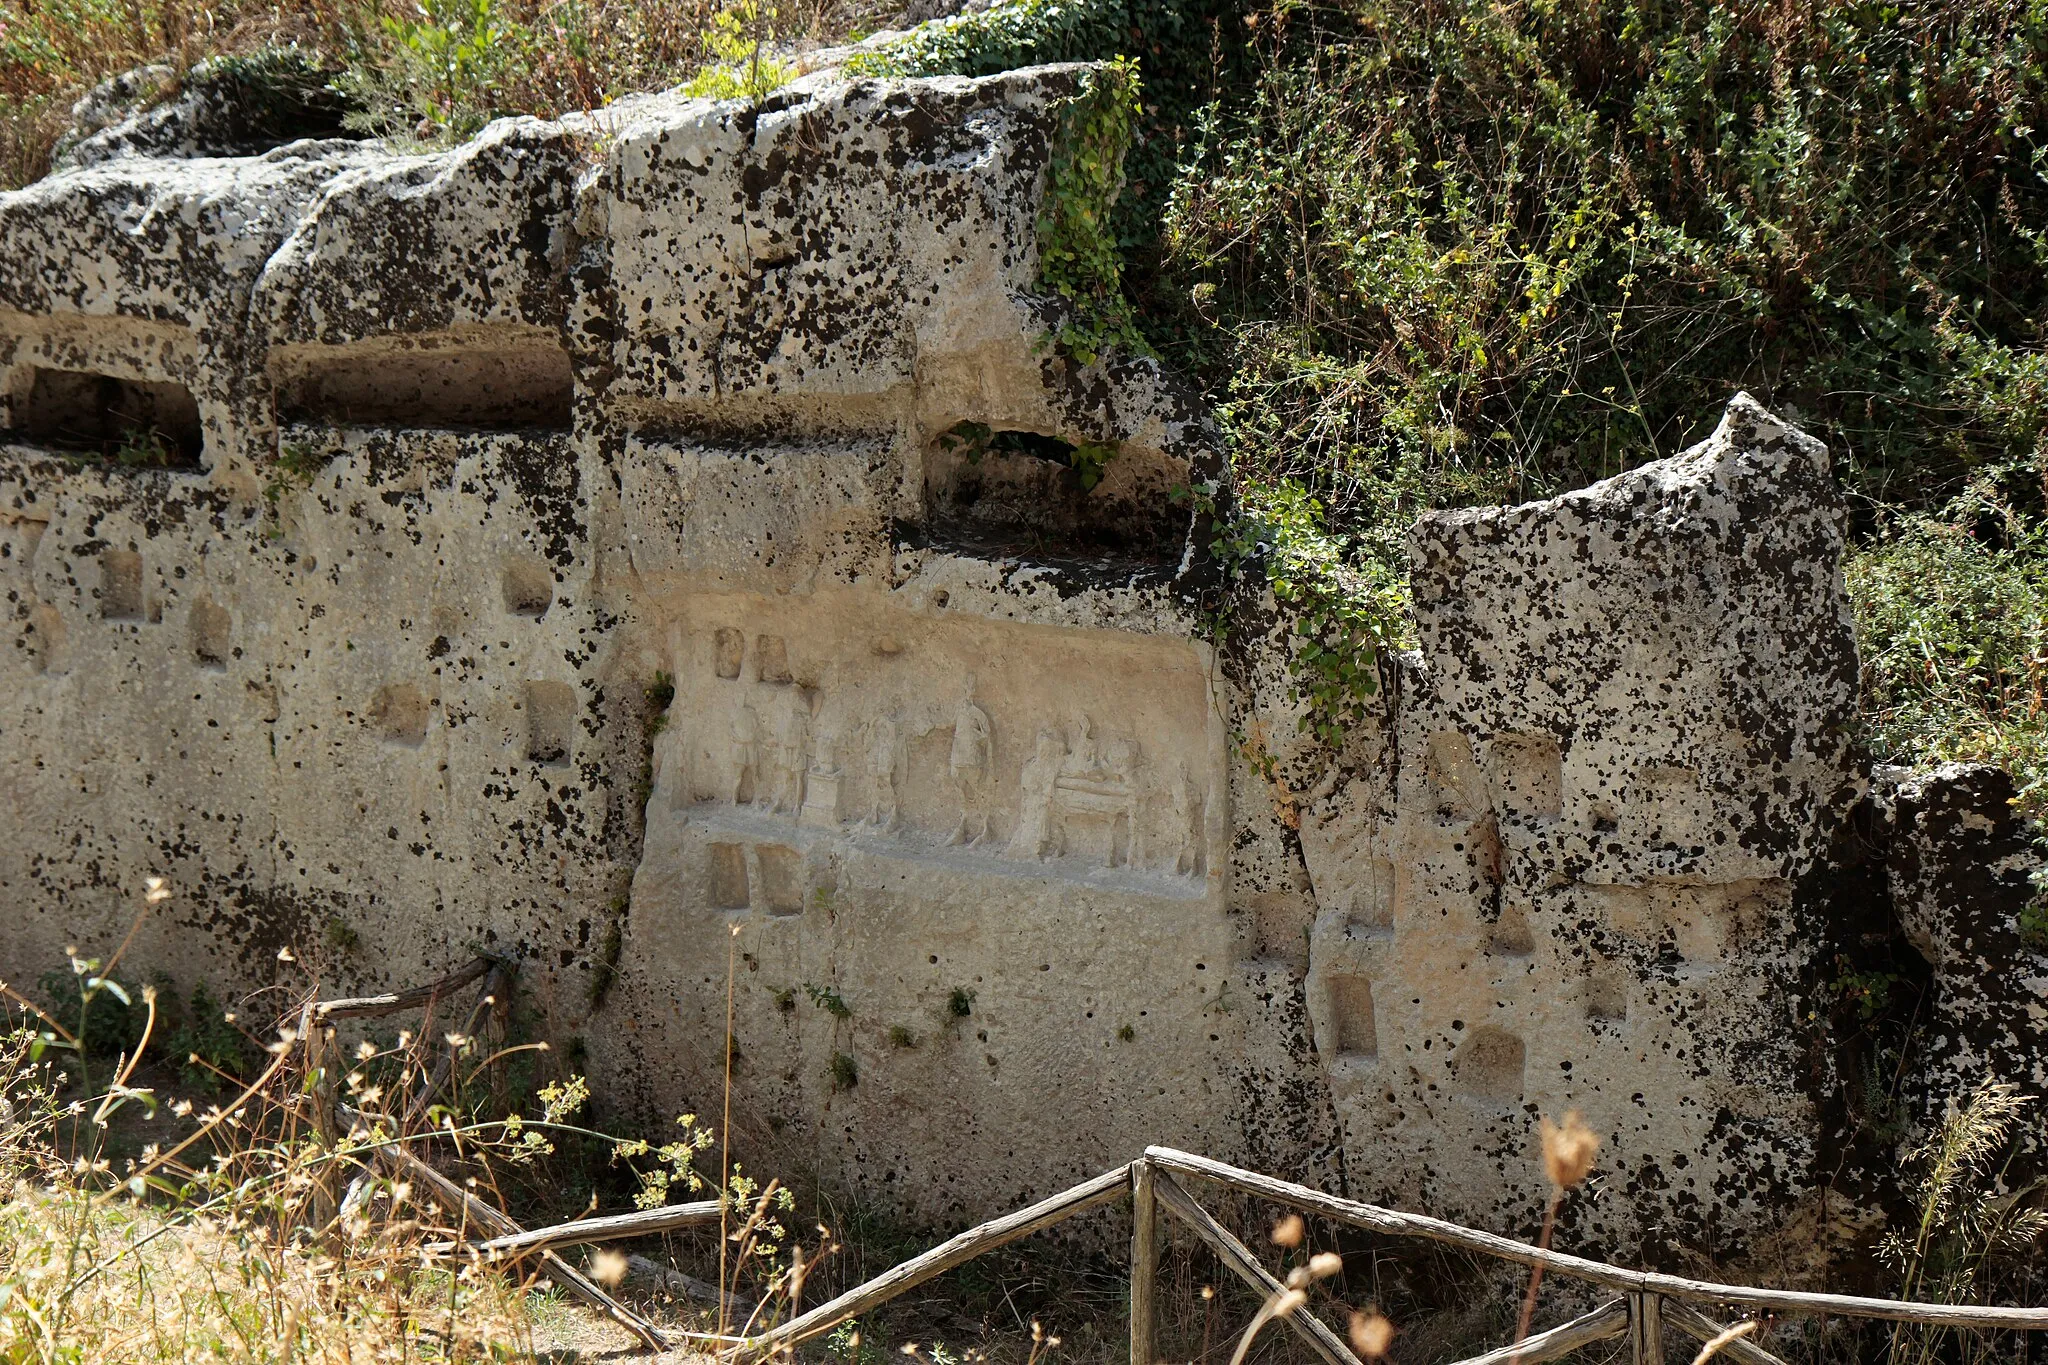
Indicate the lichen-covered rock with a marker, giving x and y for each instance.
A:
(1960, 867)
(1561, 875)
(475, 453)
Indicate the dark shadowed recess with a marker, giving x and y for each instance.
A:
(497, 388)
(128, 420)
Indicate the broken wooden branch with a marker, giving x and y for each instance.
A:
(1235, 1254)
(1103, 1189)
(1602, 1324)
(689, 1287)
(473, 1211)
(1397, 1224)
(1704, 1329)
(584, 1231)
(496, 980)
(368, 1006)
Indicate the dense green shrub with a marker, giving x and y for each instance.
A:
(1453, 251)
(1952, 617)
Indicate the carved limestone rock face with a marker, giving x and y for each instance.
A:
(473, 453)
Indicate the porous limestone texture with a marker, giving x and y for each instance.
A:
(481, 452)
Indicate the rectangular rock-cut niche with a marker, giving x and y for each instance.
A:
(211, 625)
(550, 718)
(398, 713)
(1527, 772)
(528, 586)
(725, 879)
(782, 879)
(1488, 1066)
(729, 648)
(1351, 1014)
(130, 422)
(488, 377)
(121, 585)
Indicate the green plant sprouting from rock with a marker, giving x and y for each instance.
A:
(1078, 255)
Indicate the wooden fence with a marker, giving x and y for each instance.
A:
(1645, 1306)
(1646, 1302)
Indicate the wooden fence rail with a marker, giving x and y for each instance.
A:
(1648, 1301)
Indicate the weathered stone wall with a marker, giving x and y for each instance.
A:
(662, 395)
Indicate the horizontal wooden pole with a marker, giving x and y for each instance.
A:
(1704, 1329)
(1103, 1189)
(1248, 1268)
(1596, 1272)
(474, 1210)
(611, 1228)
(367, 1006)
(1602, 1324)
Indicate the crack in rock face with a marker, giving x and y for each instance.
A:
(565, 543)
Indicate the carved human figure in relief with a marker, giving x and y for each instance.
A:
(671, 774)
(969, 764)
(791, 727)
(881, 764)
(1037, 826)
(746, 755)
(1120, 765)
(1187, 823)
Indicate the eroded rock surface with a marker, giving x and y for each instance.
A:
(473, 452)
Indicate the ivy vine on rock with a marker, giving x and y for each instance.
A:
(1078, 255)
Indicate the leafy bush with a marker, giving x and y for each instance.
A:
(1466, 251)
(1952, 617)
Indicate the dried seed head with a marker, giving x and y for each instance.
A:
(1289, 1300)
(1289, 1231)
(1568, 1152)
(608, 1268)
(1324, 1264)
(1208, 1291)
(1297, 1277)
(1371, 1334)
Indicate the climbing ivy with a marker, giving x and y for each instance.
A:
(1078, 257)
(1345, 610)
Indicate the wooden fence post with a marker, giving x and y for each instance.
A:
(1144, 1264)
(1646, 1329)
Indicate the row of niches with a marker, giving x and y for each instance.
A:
(1487, 1062)
(401, 714)
(487, 383)
(526, 584)
(912, 767)
(1661, 808)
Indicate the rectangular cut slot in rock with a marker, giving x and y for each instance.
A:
(399, 714)
(726, 878)
(1605, 992)
(121, 585)
(132, 421)
(729, 647)
(550, 714)
(771, 659)
(1456, 791)
(528, 586)
(1358, 1033)
(49, 637)
(469, 380)
(1488, 1065)
(211, 625)
(1507, 935)
(1528, 775)
(782, 879)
